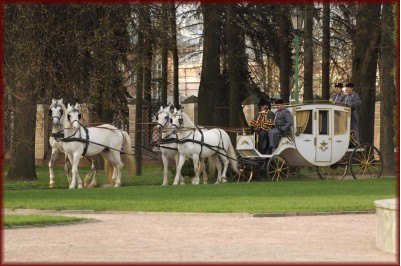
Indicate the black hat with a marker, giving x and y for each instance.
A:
(338, 85)
(263, 102)
(279, 101)
(349, 84)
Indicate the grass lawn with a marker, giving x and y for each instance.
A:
(301, 194)
(12, 220)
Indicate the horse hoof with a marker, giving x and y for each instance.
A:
(51, 185)
(71, 187)
(116, 185)
(79, 186)
(174, 184)
(165, 184)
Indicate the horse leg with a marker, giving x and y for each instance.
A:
(225, 162)
(53, 158)
(165, 169)
(181, 162)
(195, 159)
(74, 170)
(92, 173)
(177, 157)
(218, 166)
(117, 169)
(204, 173)
(67, 169)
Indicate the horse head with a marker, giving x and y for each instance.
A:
(56, 111)
(177, 119)
(74, 115)
(163, 117)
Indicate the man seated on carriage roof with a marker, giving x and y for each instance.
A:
(338, 94)
(262, 123)
(352, 98)
(282, 125)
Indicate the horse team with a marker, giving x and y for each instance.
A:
(180, 139)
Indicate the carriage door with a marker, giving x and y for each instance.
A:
(323, 136)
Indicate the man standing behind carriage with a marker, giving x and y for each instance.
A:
(338, 95)
(282, 125)
(262, 123)
(352, 98)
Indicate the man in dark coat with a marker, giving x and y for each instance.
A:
(282, 125)
(338, 95)
(352, 98)
(262, 123)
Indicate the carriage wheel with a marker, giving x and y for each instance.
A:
(366, 162)
(245, 172)
(335, 171)
(277, 168)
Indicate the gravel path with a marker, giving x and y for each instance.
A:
(162, 237)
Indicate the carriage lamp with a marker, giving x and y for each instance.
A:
(297, 19)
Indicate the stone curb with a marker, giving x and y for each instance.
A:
(292, 214)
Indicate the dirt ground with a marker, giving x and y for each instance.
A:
(194, 237)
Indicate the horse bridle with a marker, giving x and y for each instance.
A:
(180, 121)
(61, 112)
(79, 115)
(166, 118)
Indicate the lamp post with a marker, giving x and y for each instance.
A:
(297, 19)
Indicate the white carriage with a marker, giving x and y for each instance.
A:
(320, 137)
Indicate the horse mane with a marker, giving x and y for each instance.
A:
(187, 122)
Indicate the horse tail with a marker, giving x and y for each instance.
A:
(129, 159)
(233, 157)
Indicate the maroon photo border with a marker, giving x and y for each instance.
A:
(397, 118)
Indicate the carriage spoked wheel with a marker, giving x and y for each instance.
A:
(245, 172)
(366, 162)
(277, 168)
(335, 171)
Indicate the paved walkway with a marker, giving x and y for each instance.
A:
(162, 237)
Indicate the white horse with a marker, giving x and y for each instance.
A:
(170, 150)
(104, 140)
(217, 139)
(57, 111)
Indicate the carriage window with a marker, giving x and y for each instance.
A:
(340, 122)
(304, 122)
(323, 122)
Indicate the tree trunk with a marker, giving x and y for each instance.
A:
(23, 60)
(22, 161)
(210, 63)
(236, 65)
(269, 76)
(139, 94)
(308, 57)
(364, 65)
(326, 53)
(147, 63)
(387, 69)
(163, 96)
(285, 53)
(174, 50)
